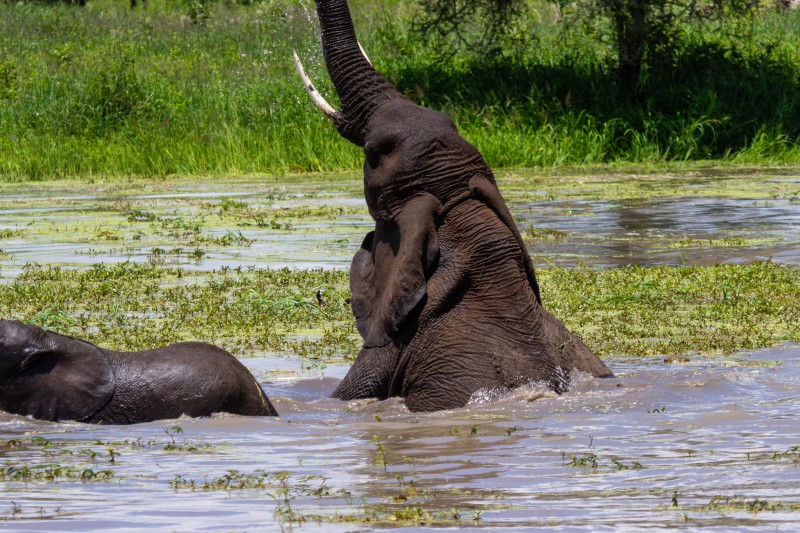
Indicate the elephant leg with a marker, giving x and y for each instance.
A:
(371, 374)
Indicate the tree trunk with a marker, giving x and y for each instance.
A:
(630, 25)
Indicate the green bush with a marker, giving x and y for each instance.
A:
(112, 91)
(8, 79)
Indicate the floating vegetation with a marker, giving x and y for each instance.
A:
(134, 307)
(287, 491)
(546, 234)
(606, 184)
(186, 446)
(589, 461)
(792, 454)
(10, 233)
(19, 512)
(231, 480)
(737, 504)
(626, 311)
(728, 241)
(97, 451)
(52, 472)
(665, 310)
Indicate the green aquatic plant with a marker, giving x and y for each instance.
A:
(792, 454)
(659, 310)
(735, 504)
(590, 461)
(231, 480)
(293, 494)
(130, 306)
(19, 512)
(631, 311)
(10, 233)
(52, 472)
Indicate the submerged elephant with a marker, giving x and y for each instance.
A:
(443, 290)
(54, 377)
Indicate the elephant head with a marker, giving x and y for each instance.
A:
(50, 376)
(40, 378)
(444, 292)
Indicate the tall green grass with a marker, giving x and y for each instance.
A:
(104, 90)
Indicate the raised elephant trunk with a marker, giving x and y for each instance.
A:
(360, 87)
(444, 292)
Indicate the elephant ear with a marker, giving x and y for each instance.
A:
(388, 275)
(60, 379)
(486, 191)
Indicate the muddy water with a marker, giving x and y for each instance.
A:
(675, 230)
(82, 225)
(707, 443)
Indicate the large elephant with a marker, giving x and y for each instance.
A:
(443, 290)
(54, 377)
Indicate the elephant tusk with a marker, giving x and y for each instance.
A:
(364, 53)
(317, 98)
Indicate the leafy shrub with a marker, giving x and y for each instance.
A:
(8, 79)
(114, 94)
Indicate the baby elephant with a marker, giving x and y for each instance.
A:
(54, 377)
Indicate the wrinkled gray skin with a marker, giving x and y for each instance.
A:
(443, 290)
(50, 376)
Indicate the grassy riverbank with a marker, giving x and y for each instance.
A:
(106, 91)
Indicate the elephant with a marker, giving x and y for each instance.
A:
(444, 292)
(54, 377)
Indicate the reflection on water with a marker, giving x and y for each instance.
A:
(189, 225)
(697, 444)
(674, 230)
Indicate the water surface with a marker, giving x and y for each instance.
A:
(707, 443)
(704, 443)
(209, 225)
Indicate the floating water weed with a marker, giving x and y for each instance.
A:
(543, 234)
(590, 461)
(52, 473)
(732, 504)
(380, 452)
(677, 310)
(585, 461)
(185, 446)
(792, 454)
(18, 512)
(626, 311)
(455, 431)
(10, 233)
(634, 465)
